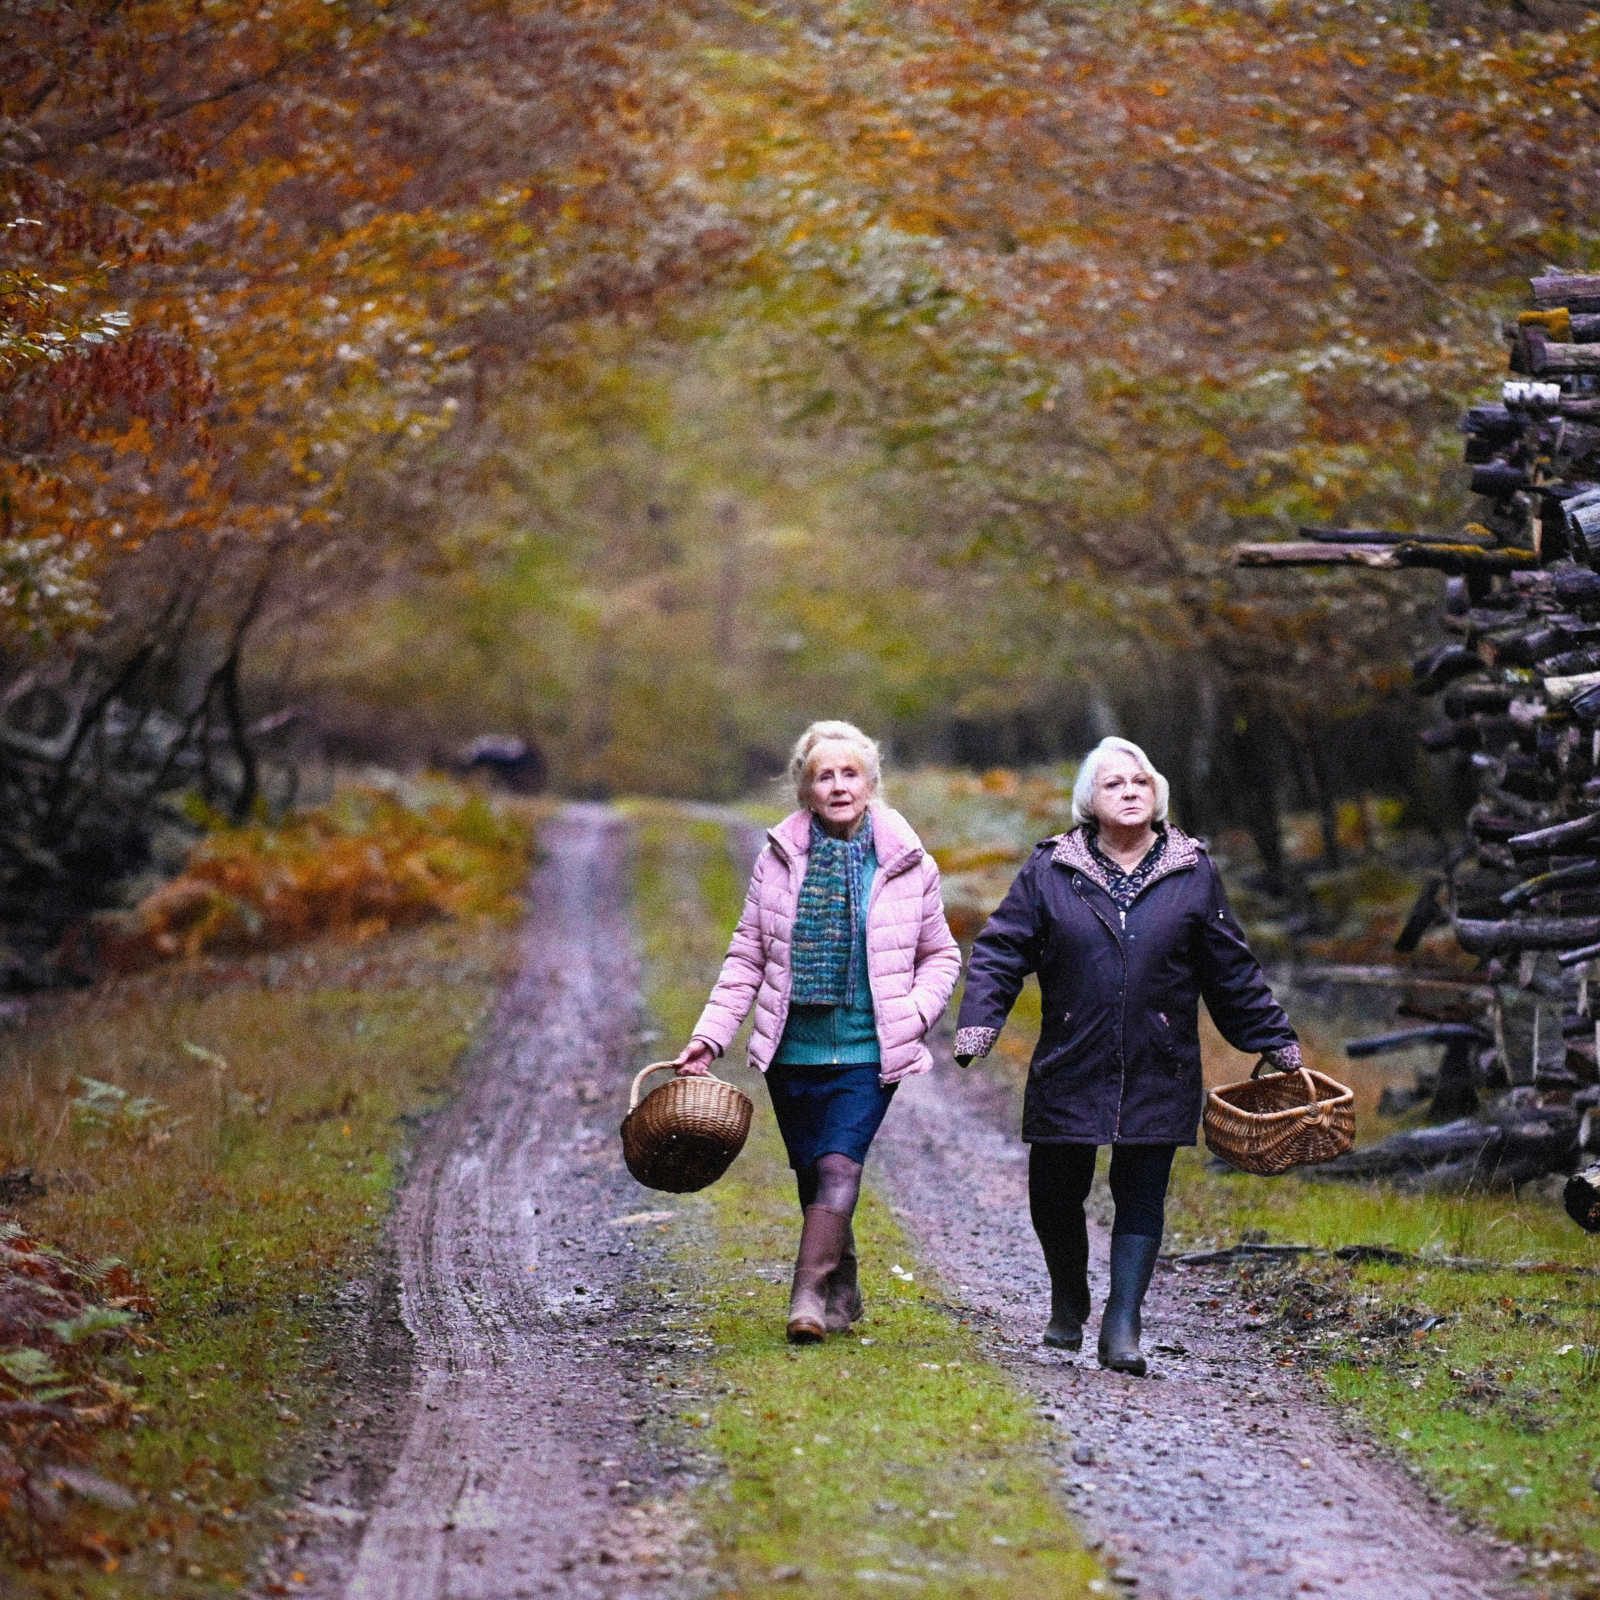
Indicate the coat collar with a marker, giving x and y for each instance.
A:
(893, 838)
(1072, 851)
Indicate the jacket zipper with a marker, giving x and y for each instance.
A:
(1122, 1009)
(1122, 951)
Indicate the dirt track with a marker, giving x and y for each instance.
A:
(508, 1448)
(518, 1441)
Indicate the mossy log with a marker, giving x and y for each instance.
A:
(1562, 836)
(1570, 291)
(1500, 1151)
(1482, 936)
(1437, 554)
(1578, 875)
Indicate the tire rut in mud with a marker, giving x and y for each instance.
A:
(520, 1441)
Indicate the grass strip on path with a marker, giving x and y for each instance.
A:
(893, 1457)
(234, 1137)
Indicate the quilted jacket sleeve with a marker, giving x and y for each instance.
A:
(938, 957)
(740, 979)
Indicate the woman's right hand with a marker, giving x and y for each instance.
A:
(694, 1060)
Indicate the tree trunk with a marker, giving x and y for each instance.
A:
(1456, 1093)
(1252, 773)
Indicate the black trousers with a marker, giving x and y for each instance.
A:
(1059, 1177)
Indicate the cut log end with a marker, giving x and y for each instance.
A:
(1582, 1198)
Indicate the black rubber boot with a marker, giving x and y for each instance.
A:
(844, 1289)
(1133, 1259)
(821, 1244)
(1067, 1258)
(1058, 1183)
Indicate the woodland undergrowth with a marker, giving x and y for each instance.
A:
(191, 1158)
(371, 860)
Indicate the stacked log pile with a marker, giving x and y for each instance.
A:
(1516, 679)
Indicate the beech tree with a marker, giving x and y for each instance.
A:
(266, 267)
(1128, 284)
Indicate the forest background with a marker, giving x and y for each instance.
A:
(642, 381)
(646, 380)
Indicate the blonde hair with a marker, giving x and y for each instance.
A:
(846, 733)
(1083, 787)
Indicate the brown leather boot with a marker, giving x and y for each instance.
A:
(844, 1290)
(821, 1244)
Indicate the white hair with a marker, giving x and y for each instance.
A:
(846, 733)
(1089, 772)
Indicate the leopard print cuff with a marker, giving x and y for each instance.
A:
(975, 1041)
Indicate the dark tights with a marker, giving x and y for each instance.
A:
(832, 1180)
(1059, 1176)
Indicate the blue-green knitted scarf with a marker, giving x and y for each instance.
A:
(828, 915)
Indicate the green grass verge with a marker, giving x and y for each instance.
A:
(896, 1458)
(1479, 1361)
(261, 1116)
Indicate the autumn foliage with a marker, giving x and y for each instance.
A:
(363, 865)
(1089, 293)
(258, 253)
(1082, 296)
(1130, 281)
(265, 269)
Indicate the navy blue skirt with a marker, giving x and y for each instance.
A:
(827, 1110)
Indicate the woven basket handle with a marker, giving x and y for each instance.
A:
(655, 1066)
(1313, 1105)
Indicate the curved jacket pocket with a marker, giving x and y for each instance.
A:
(1047, 1063)
(1070, 1042)
(1177, 1050)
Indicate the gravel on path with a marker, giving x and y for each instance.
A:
(1217, 1477)
(516, 1436)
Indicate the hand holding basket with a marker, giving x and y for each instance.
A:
(1267, 1125)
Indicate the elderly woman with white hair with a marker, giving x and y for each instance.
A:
(1125, 922)
(844, 952)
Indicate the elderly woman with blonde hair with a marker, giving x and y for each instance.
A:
(844, 952)
(1125, 922)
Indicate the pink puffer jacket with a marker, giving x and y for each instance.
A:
(912, 957)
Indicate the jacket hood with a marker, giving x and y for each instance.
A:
(894, 839)
(1072, 851)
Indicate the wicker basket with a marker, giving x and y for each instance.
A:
(1287, 1119)
(685, 1133)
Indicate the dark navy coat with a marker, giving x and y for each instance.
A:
(1118, 1058)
